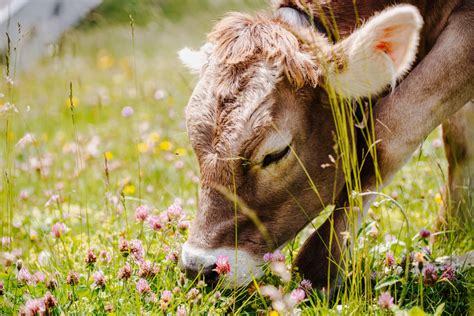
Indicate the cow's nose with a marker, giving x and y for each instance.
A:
(207, 273)
(197, 262)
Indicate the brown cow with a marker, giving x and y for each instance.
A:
(260, 112)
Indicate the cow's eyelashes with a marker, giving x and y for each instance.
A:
(275, 157)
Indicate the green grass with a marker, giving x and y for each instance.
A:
(103, 165)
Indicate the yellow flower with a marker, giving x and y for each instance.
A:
(438, 199)
(129, 189)
(166, 145)
(154, 137)
(104, 60)
(109, 155)
(273, 313)
(181, 151)
(143, 148)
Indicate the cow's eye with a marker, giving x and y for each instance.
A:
(275, 157)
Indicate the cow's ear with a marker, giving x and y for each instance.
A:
(377, 54)
(196, 60)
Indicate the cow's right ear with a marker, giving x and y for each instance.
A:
(196, 60)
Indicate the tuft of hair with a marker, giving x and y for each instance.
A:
(240, 38)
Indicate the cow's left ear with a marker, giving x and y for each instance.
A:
(196, 60)
(377, 54)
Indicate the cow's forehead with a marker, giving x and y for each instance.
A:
(231, 106)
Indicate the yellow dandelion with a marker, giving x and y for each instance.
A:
(438, 198)
(143, 148)
(181, 151)
(273, 313)
(166, 145)
(129, 189)
(108, 155)
(154, 137)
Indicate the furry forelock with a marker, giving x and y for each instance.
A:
(241, 39)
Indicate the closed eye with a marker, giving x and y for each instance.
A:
(275, 157)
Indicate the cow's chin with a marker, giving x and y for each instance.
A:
(244, 267)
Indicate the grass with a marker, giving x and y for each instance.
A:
(73, 153)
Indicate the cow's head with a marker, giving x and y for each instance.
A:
(261, 126)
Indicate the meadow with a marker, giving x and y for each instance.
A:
(99, 186)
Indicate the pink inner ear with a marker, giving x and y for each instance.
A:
(388, 43)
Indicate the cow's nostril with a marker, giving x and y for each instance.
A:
(207, 273)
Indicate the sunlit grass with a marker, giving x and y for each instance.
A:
(97, 130)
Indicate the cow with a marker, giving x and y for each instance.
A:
(261, 126)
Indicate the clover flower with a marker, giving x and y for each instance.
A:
(49, 301)
(424, 233)
(222, 265)
(385, 300)
(389, 259)
(90, 257)
(449, 273)
(124, 246)
(24, 276)
(174, 211)
(72, 278)
(33, 307)
(148, 269)
(298, 295)
(136, 250)
(143, 287)
(127, 111)
(430, 274)
(99, 279)
(125, 272)
(154, 223)
(181, 311)
(141, 213)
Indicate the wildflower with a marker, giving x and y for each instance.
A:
(222, 265)
(278, 256)
(129, 189)
(270, 291)
(24, 276)
(298, 295)
(6, 242)
(424, 233)
(127, 111)
(166, 297)
(385, 300)
(33, 235)
(164, 217)
(166, 145)
(419, 258)
(51, 284)
(136, 250)
(109, 308)
(192, 294)
(268, 257)
(183, 225)
(49, 301)
(173, 257)
(105, 256)
(148, 269)
(53, 199)
(124, 246)
(99, 279)
(154, 223)
(2, 287)
(58, 229)
(430, 275)
(143, 147)
(143, 287)
(175, 211)
(449, 273)
(159, 94)
(72, 278)
(306, 284)
(141, 213)
(39, 276)
(181, 311)
(33, 307)
(280, 269)
(90, 258)
(389, 259)
(125, 272)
